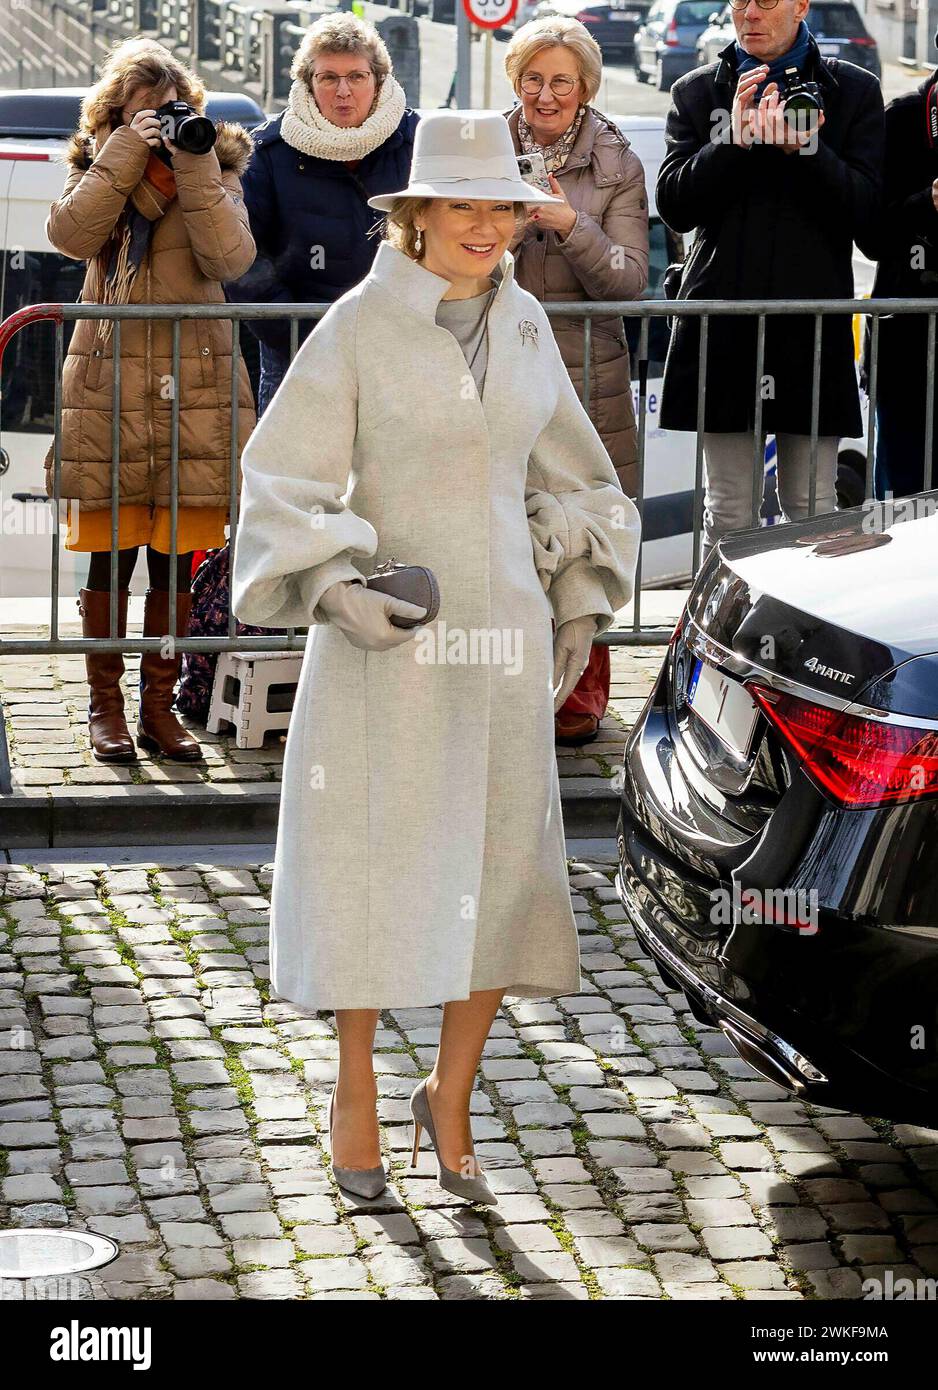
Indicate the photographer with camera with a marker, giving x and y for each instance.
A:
(908, 269)
(153, 203)
(774, 158)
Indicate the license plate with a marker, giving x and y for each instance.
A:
(724, 705)
(620, 14)
(829, 50)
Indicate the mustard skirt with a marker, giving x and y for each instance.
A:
(197, 528)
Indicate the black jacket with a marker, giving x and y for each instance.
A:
(770, 225)
(906, 246)
(909, 221)
(310, 219)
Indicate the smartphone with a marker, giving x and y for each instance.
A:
(534, 171)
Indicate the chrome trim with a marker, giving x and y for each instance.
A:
(701, 645)
(710, 650)
(712, 996)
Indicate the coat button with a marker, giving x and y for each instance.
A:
(206, 351)
(302, 166)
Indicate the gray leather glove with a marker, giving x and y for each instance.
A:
(572, 643)
(363, 615)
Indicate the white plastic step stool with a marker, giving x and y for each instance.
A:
(241, 694)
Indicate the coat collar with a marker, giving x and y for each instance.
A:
(923, 89)
(420, 289)
(591, 146)
(817, 68)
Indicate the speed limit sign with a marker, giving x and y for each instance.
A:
(490, 14)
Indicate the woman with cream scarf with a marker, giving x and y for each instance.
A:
(345, 136)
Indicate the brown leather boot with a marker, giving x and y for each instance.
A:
(107, 727)
(158, 729)
(570, 730)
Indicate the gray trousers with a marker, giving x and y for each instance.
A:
(728, 480)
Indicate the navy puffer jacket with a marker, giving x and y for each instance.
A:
(310, 220)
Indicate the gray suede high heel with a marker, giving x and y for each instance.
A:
(470, 1189)
(363, 1182)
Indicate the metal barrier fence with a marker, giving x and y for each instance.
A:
(643, 311)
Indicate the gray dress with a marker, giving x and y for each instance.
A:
(466, 320)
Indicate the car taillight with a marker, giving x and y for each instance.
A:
(678, 629)
(859, 762)
(587, 17)
(671, 39)
(864, 41)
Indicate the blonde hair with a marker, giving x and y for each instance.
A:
(555, 31)
(136, 63)
(340, 33)
(399, 225)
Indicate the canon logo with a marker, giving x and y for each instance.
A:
(831, 673)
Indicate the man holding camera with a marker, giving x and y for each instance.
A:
(774, 158)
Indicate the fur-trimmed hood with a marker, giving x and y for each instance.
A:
(233, 148)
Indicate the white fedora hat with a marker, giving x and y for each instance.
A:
(464, 154)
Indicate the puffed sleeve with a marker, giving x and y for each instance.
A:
(296, 536)
(584, 529)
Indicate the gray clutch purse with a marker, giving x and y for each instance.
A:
(413, 583)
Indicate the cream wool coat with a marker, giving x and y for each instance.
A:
(420, 851)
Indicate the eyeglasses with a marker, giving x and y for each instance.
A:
(331, 80)
(763, 4)
(560, 86)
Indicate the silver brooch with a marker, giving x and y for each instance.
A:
(528, 330)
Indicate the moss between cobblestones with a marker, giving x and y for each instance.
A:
(241, 1077)
(602, 1177)
(796, 1278)
(165, 1060)
(181, 931)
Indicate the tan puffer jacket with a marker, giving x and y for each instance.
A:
(604, 257)
(202, 239)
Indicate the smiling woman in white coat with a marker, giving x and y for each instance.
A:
(420, 852)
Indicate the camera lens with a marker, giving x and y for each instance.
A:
(195, 134)
(802, 101)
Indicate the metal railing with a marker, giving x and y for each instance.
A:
(643, 311)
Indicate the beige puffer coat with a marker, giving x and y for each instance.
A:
(202, 239)
(604, 257)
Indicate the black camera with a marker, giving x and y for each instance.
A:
(186, 128)
(803, 99)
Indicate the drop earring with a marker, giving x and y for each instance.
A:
(418, 241)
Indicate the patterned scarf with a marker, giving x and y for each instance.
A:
(122, 254)
(555, 155)
(306, 129)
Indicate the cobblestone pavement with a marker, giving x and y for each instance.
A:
(150, 1090)
(45, 702)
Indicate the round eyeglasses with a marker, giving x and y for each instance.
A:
(331, 80)
(763, 4)
(532, 83)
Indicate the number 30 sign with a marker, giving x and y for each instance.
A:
(490, 14)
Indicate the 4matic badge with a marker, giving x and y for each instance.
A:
(831, 673)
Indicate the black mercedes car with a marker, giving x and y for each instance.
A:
(778, 830)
